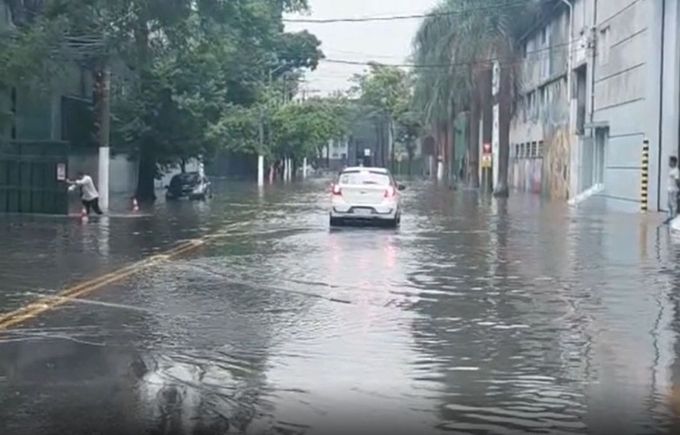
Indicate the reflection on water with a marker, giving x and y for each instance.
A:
(475, 316)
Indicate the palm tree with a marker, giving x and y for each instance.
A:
(454, 49)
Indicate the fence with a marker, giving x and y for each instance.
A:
(28, 177)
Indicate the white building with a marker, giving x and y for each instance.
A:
(619, 63)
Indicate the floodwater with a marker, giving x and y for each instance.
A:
(475, 316)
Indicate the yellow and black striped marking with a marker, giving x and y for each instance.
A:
(644, 179)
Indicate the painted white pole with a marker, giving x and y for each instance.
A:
(103, 177)
(104, 138)
(304, 168)
(260, 170)
(440, 169)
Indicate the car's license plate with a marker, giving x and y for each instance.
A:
(363, 211)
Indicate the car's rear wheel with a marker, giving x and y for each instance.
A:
(394, 223)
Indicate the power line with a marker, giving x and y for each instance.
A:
(401, 17)
(446, 65)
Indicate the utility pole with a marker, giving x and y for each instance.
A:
(103, 78)
(260, 156)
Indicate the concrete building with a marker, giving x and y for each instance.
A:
(539, 142)
(618, 65)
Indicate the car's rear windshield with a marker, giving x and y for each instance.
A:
(365, 178)
(185, 178)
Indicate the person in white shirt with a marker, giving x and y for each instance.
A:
(673, 187)
(88, 193)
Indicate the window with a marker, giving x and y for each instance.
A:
(517, 149)
(532, 105)
(365, 178)
(544, 99)
(539, 149)
(534, 147)
(581, 78)
(604, 45)
(544, 36)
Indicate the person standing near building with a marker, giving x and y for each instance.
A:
(88, 193)
(673, 187)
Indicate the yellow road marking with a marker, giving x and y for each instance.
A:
(48, 303)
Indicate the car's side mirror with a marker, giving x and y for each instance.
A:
(401, 187)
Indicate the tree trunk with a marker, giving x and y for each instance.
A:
(452, 153)
(504, 111)
(147, 156)
(473, 143)
(146, 190)
(390, 135)
(376, 150)
(486, 100)
(183, 165)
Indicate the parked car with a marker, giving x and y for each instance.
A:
(365, 194)
(188, 185)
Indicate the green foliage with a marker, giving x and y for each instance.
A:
(454, 47)
(298, 50)
(189, 76)
(385, 94)
(300, 130)
(237, 130)
(383, 90)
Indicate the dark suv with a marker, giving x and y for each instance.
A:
(188, 185)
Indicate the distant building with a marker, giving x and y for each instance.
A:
(594, 85)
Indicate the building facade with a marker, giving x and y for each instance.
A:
(539, 130)
(599, 78)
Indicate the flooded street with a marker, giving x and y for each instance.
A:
(473, 317)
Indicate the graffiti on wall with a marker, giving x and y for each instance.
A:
(545, 172)
(556, 164)
(526, 174)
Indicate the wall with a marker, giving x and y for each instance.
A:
(622, 96)
(5, 108)
(527, 175)
(192, 165)
(233, 165)
(122, 170)
(670, 106)
(539, 139)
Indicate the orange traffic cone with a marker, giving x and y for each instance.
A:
(135, 205)
(83, 215)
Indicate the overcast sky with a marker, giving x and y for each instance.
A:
(387, 42)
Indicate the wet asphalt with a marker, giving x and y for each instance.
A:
(475, 316)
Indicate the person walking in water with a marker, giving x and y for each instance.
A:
(88, 193)
(673, 188)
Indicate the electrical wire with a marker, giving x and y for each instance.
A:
(480, 61)
(404, 17)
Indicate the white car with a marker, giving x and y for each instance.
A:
(366, 195)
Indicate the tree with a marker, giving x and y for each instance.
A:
(461, 47)
(384, 93)
(301, 130)
(409, 130)
(184, 70)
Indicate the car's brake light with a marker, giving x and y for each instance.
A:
(337, 190)
(389, 192)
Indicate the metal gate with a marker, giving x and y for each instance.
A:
(29, 177)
